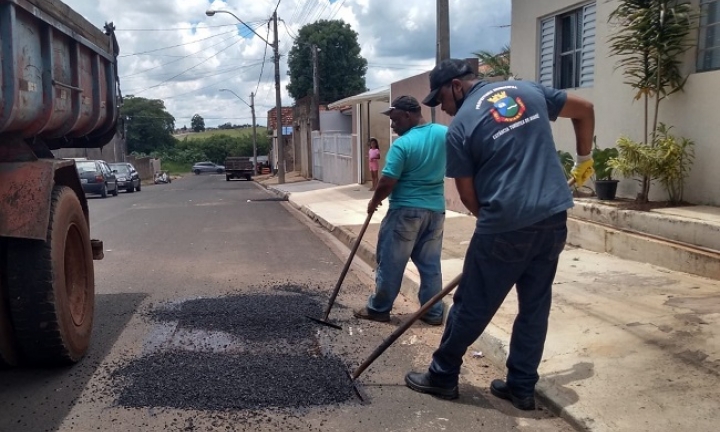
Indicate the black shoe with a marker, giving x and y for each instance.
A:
(432, 321)
(367, 314)
(500, 389)
(421, 382)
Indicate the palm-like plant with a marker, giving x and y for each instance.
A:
(651, 37)
(496, 64)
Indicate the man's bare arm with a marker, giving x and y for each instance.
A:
(582, 113)
(384, 188)
(466, 189)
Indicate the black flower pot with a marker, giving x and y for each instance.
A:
(606, 189)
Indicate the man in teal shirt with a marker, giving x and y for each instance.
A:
(414, 180)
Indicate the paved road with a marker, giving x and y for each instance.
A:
(200, 326)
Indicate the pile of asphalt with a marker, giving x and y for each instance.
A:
(253, 317)
(280, 363)
(211, 381)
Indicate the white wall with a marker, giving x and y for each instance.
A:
(692, 113)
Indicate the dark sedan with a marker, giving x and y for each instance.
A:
(127, 176)
(97, 177)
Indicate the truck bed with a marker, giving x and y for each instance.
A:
(59, 76)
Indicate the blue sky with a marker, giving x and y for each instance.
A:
(172, 50)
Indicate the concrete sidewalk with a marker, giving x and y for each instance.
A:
(631, 347)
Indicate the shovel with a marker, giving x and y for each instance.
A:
(324, 319)
(403, 328)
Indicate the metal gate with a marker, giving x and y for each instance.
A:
(332, 158)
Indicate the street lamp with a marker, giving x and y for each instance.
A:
(252, 108)
(278, 104)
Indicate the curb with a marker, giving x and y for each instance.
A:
(491, 343)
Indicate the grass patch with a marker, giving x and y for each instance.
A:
(235, 133)
(176, 167)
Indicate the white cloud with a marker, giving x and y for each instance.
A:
(194, 55)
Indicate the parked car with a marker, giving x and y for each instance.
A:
(97, 177)
(202, 167)
(127, 176)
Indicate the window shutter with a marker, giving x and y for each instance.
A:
(547, 52)
(587, 56)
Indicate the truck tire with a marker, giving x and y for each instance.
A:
(8, 349)
(227, 178)
(248, 177)
(51, 286)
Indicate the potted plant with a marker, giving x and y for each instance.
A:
(651, 38)
(605, 185)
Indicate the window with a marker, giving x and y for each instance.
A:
(709, 43)
(567, 49)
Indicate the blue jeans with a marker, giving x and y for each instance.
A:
(408, 233)
(526, 258)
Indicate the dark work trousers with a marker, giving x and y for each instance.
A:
(526, 258)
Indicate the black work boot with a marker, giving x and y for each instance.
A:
(365, 313)
(500, 389)
(421, 382)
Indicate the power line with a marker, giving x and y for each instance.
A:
(177, 28)
(177, 60)
(188, 69)
(175, 46)
(262, 68)
(337, 10)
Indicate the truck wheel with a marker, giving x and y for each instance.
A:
(8, 350)
(51, 286)
(227, 178)
(248, 178)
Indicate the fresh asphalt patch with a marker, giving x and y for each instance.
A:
(254, 317)
(212, 381)
(269, 356)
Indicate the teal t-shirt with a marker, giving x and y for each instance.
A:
(417, 161)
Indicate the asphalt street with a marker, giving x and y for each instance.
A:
(201, 325)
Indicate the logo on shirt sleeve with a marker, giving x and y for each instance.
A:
(505, 108)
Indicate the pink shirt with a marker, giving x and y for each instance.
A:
(374, 155)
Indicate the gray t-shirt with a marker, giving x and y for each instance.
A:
(501, 137)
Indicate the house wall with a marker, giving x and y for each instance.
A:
(335, 121)
(378, 127)
(616, 112)
(114, 151)
(418, 86)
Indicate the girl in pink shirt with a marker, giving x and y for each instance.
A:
(374, 156)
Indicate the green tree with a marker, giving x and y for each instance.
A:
(341, 68)
(494, 64)
(149, 125)
(197, 123)
(651, 37)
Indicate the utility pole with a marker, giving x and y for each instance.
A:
(252, 109)
(442, 51)
(443, 30)
(316, 90)
(278, 103)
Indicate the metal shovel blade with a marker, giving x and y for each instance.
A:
(323, 322)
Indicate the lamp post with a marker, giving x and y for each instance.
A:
(278, 103)
(252, 108)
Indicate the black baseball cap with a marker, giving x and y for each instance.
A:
(404, 103)
(446, 71)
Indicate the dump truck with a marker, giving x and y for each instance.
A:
(238, 167)
(60, 89)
